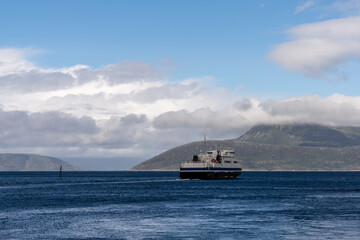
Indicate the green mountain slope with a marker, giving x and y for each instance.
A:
(303, 135)
(285, 147)
(32, 162)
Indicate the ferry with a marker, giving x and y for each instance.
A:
(214, 164)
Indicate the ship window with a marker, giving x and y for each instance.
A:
(227, 161)
(235, 161)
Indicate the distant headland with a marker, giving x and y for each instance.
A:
(277, 147)
(32, 162)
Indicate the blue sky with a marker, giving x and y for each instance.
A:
(92, 66)
(225, 39)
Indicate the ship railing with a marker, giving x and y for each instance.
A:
(192, 162)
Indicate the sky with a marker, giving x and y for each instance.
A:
(108, 84)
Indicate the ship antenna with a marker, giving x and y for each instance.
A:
(205, 140)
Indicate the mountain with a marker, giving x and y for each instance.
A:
(303, 135)
(277, 147)
(32, 162)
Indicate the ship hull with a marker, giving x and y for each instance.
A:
(209, 174)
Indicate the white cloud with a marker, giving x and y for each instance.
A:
(123, 72)
(13, 60)
(22, 129)
(303, 6)
(346, 7)
(166, 91)
(139, 135)
(318, 49)
(36, 81)
(334, 110)
(131, 110)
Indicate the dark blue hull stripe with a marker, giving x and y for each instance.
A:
(208, 175)
(210, 169)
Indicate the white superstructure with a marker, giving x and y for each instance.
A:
(211, 165)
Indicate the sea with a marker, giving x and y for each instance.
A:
(159, 205)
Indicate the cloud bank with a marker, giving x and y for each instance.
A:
(317, 49)
(130, 109)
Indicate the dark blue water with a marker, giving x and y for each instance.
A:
(158, 205)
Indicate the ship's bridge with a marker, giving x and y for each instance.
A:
(223, 153)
